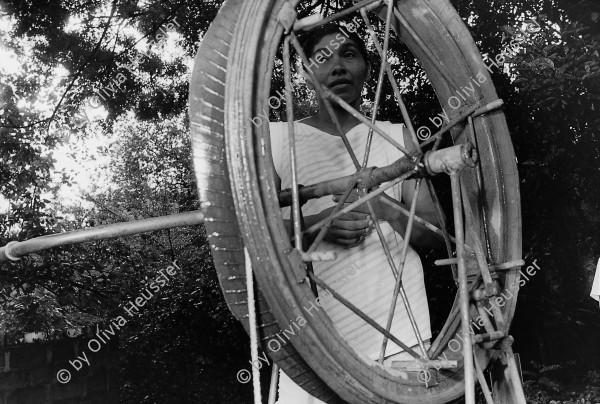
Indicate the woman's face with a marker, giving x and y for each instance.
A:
(338, 64)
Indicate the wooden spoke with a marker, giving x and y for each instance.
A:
(382, 70)
(321, 92)
(336, 210)
(310, 26)
(398, 289)
(287, 72)
(393, 82)
(362, 315)
(356, 204)
(463, 290)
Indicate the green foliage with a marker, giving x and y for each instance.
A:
(185, 347)
(557, 145)
(541, 389)
(39, 311)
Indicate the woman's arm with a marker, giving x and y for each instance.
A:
(425, 209)
(349, 229)
(420, 235)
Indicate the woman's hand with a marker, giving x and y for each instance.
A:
(379, 208)
(348, 230)
(425, 209)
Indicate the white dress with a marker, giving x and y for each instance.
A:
(361, 274)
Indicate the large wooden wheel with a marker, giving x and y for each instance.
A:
(230, 86)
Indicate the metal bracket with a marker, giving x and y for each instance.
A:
(318, 256)
(490, 106)
(299, 271)
(287, 16)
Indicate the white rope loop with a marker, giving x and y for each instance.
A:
(252, 325)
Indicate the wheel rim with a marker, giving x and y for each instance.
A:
(266, 241)
(215, 191)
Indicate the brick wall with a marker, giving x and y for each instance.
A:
(28, 373)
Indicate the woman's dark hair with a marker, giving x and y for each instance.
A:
(312, 38)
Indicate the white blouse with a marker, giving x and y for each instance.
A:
(361, 274)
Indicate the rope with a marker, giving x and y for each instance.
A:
(274, 383)
(253, 334)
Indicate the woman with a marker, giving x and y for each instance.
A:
(339, 60)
